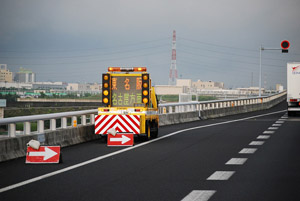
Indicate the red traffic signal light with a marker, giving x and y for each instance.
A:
(285, 44)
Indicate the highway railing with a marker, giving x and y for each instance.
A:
(87, 117)
(167, 108)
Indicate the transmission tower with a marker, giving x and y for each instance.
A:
(173, 71)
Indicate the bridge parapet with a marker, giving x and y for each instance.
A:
(13, 144)
(87, 117)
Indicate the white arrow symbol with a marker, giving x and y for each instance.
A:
(123, 139)
(48, 153)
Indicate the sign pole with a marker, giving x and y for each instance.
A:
(260, 70)
(284, 48)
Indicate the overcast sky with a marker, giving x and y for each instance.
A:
(76, 40)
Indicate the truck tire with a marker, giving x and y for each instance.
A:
(154, 130)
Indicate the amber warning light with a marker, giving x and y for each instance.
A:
(121, 69)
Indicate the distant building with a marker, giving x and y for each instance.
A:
(279, 87)
(5, 74)
(84, 88)
(207, 85)
(184, 82)
(168, 90)
(72, 86)
(25, 76)
(16, 85)
(50, 85)
(250, 90)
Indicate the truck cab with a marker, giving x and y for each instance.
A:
(129, 103)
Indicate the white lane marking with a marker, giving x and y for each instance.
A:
(284, 117)
(268, 132)
(198, 195)
(257, 143)
(276, 125)
(279, 122)
(263, 137)
(282, 120)
(221, 175)
(248, 151)
(273, 128)
(124, 150)
(236, 161)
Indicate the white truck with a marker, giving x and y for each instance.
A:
(293, 87)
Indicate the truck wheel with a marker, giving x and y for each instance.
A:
(154, 130)
(291, 113)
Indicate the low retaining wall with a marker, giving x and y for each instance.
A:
(11, 148)
(16, 147)
(175, 118)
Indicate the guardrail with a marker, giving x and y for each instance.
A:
(82, 115)
(207, 105)
(40, 119)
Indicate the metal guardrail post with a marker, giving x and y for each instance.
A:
(170, 109)
(83, 120)
(92, 118)
(26, 128)
(53, 124)
(12, 130)
(64, 122)
(74, 121)
(40, 126)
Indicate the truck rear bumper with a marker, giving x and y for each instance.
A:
(294, 109)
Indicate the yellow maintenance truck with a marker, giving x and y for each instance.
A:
(129, 103)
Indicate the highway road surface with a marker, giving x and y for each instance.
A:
(247, 157)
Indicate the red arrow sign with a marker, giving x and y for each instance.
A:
(45, 154)
(124, 139)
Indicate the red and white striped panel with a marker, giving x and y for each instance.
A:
(122, 123)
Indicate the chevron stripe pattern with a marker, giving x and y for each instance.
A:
(122, 123)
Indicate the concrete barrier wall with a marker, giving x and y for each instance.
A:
(174, 118)
(11, 148)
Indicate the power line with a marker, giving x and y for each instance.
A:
(83, 56)
(89, 49)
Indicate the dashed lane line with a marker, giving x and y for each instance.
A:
(221, 175)
(236, 161)
(35, 179)
(248, 151)
(263, 137)
(257, 143)
(199, 195)
(268, 132)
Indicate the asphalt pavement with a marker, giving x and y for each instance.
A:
(251, 156)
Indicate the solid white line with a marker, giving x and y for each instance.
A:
(248, 151)
(276, 125)
(263, 137)
(221, 175)
(257, 143)
(273, 128)
(124, 150)
(236, 161)
(268, 132)
(279, 122)
(198, 195)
